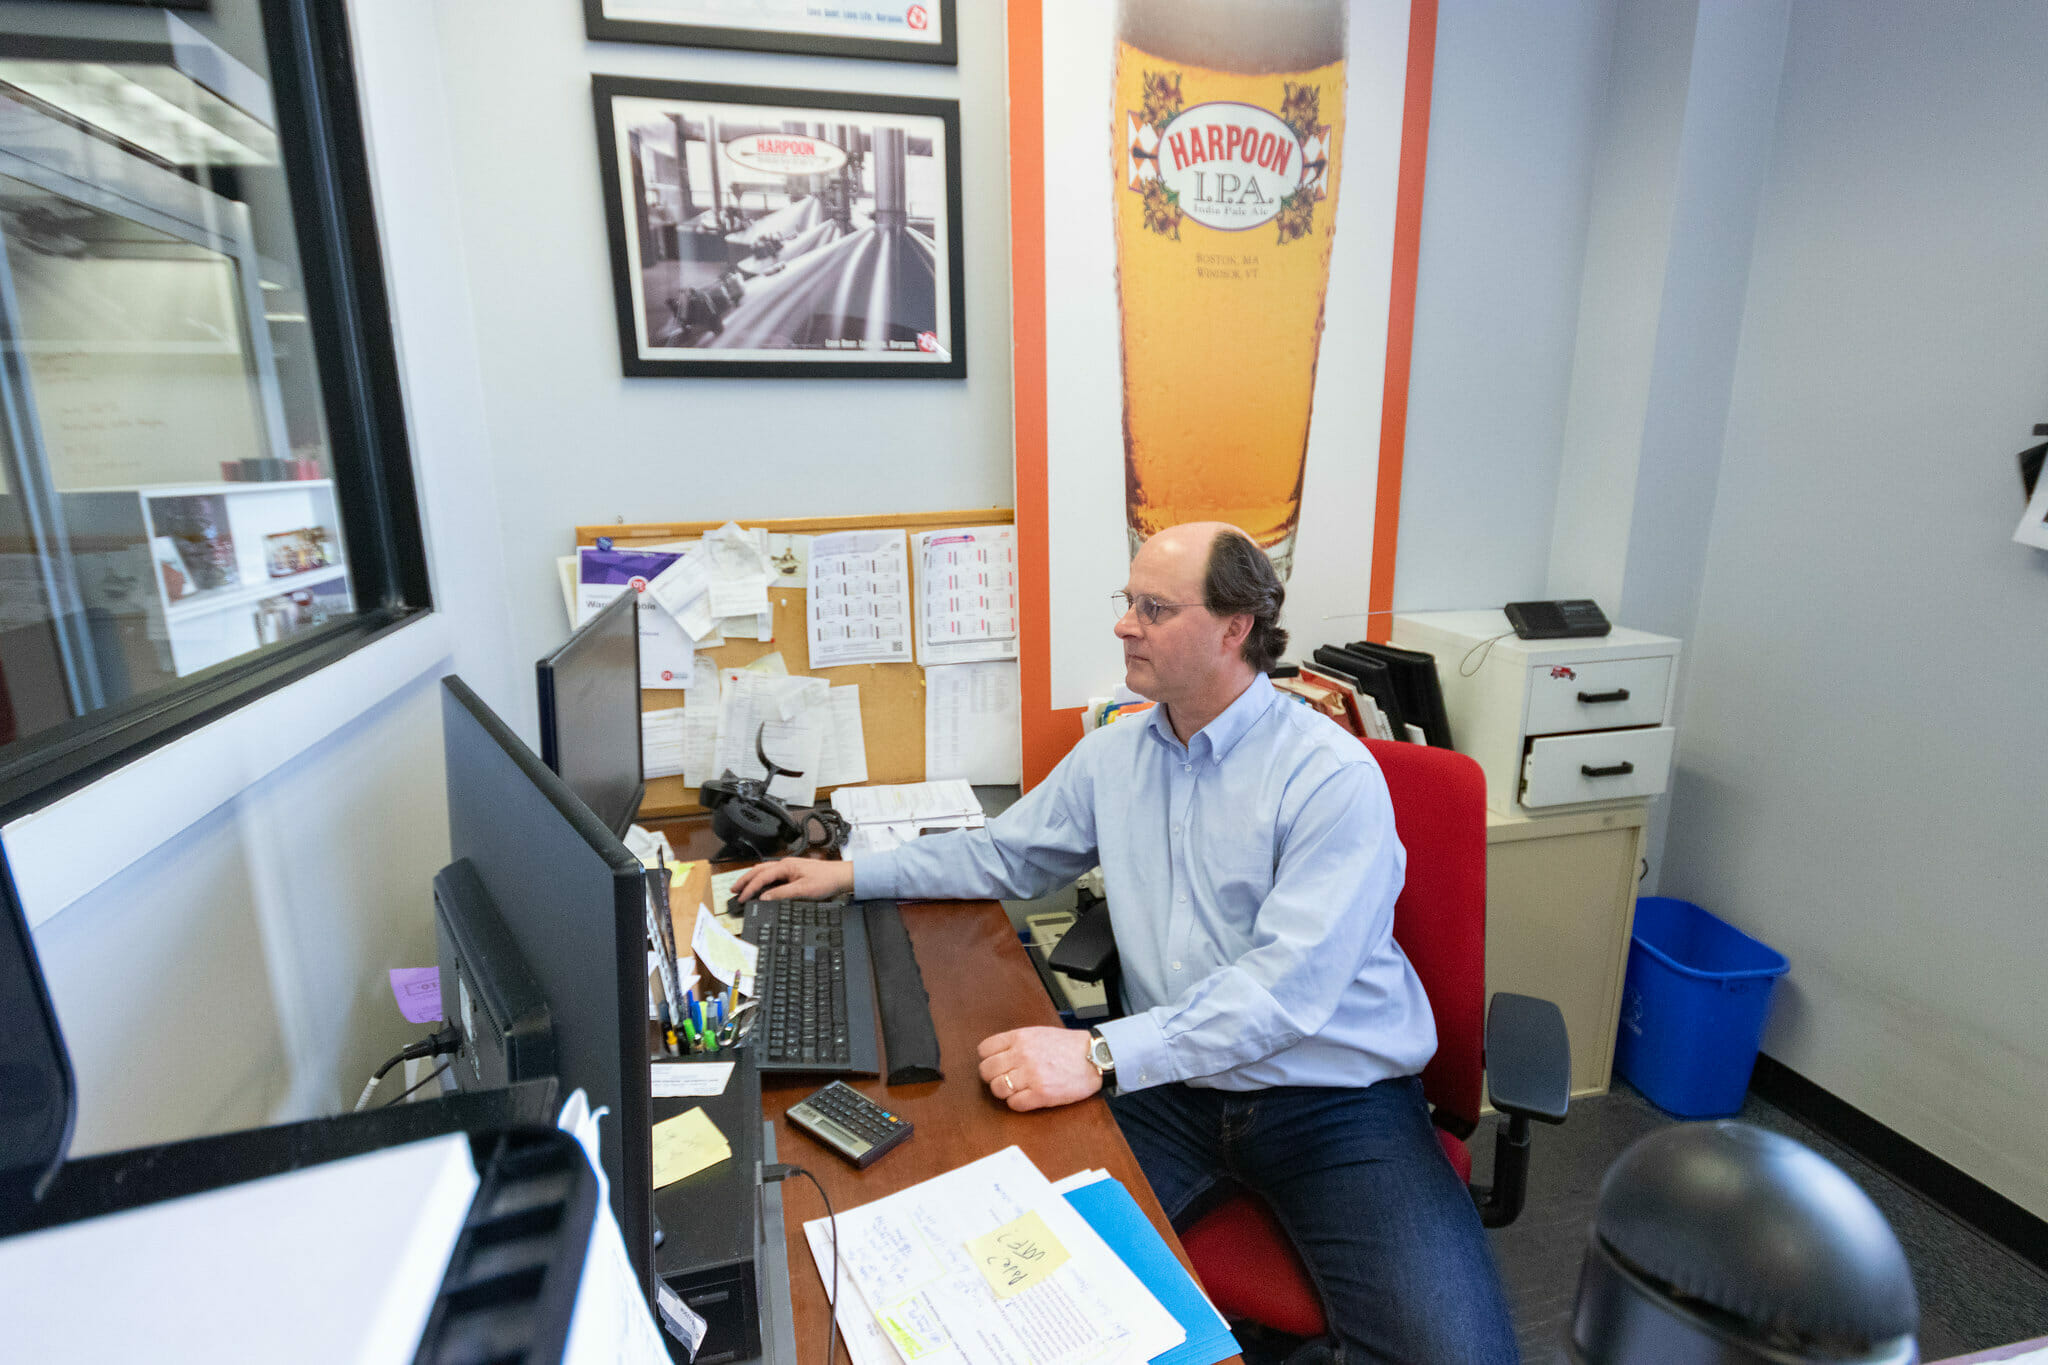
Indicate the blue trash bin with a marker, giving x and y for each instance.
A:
(1693, 1008)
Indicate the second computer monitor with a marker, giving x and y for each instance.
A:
(590, 712)
(571, 903)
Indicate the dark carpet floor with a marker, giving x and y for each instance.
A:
(1974, 1293)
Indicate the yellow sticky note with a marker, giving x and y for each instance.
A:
(686, 1144)
(1017, 1255)
(910, 1326)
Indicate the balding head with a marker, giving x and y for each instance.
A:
(1238, 579)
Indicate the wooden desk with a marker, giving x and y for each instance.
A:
(980, 982)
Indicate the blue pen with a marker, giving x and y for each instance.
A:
(721, 1014)
(690, 1001)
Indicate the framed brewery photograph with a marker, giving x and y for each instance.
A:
(890, 30)
(782, 233)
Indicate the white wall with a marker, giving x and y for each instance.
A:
(1514, 119)
(575, 443)
(1859, 765)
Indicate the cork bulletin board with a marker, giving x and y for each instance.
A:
(891, 695)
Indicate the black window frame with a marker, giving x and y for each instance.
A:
(320, 140)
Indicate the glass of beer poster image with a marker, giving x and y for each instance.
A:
(782, 233)
(1229, 131)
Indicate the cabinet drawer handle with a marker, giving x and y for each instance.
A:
(1618, 770)
(1618, 694)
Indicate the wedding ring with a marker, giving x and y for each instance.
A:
(1012, 1084)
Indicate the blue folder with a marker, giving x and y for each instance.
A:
(1111, 1211)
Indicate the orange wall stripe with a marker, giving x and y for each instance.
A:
(1048, 734)
(1400, 316)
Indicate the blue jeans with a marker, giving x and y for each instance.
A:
(1356, 1177)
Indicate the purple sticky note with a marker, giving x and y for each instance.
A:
(418, 990)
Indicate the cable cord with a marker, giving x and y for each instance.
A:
(400, 1097)
(1466, 668)
(439, 1043)
(783, 1172)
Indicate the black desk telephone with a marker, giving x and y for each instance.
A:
(1556, 620)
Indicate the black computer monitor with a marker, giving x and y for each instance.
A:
(590, 712)
(40, 1102)
(570, 899)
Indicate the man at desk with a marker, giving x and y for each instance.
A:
(1276, 1031)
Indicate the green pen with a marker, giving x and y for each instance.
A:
(690, 1029)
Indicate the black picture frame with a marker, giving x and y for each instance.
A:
(602, 27)
(671, 245)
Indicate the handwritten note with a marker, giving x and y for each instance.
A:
(689, 1080)
(914, 1327)
(721, 952)
(686, 1144)
(1017, 1255)
(418, 992)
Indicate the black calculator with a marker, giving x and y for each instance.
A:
(849, 1123)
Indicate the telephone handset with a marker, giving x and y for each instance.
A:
(1556, 620)
(752, 823)
(755, 825)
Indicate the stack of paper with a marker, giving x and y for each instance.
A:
(884, 817)
(990, 1265)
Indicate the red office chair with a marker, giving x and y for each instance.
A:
(1518, 1048)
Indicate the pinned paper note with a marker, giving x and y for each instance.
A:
(686, 1144)
(719, 951)
(661, 744)
(858, 599)
(666, 651)
(418, 991)
(680, 591)
(739, 570)
(1017, 1255)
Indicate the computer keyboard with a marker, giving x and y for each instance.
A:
(816, 987)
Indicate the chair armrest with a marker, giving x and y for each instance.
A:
(1086, 952)
(1528, 1058)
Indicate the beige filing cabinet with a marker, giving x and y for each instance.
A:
(1575, 737)
(1560, 904)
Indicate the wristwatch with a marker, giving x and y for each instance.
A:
(1099, 1058)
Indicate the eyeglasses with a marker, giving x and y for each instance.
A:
(1149, 608)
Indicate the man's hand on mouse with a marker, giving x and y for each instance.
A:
(1037, 1068)
(807, 879)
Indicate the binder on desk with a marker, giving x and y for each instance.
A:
(1111, 1211)
(1372, 677)
(1415, 682)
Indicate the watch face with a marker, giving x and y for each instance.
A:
(1098, 1053)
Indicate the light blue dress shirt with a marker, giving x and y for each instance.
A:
(1251, 877)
